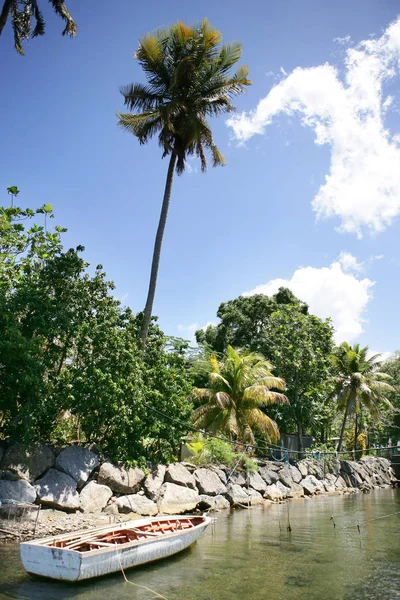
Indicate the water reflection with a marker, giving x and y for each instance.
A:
(250, 555)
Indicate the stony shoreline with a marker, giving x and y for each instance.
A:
(76, 489)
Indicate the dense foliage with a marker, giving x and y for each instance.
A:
(69, 359)
(237, 389)
(297, 343)
(359, 385)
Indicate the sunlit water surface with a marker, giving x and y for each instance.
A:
(250, 555)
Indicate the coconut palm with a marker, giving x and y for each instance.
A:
(188, 80)
(238, 388)
(23, 11)
(358, 382)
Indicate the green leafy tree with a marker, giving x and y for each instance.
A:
(297, 343)
(231, 402)
(69, 353)
(188, 80)
(359, 383)
(390, 419)
(25, 13)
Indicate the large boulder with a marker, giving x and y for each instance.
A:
(213, 502)
(256, 498)
(77, 462)
(295, 473)
(17, 491)
(285, 476)
(221, 474)
(177, 499)
(179, 474)
(58, 490)
(284, 489)
(257, 483)
(273, 492)
(208, 482)
(137, 504)
(302, 466)
(94, 497)
(312, 485)
(119, 479)
(240, 479)
(154, 481)
(236, 494)
(269, 475)
(28, 464)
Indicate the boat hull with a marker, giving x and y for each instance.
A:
(69, 565)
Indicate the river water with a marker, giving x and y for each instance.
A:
(250, 555)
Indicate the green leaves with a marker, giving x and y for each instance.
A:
(188, 79)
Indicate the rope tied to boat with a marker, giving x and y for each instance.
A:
(144, 587)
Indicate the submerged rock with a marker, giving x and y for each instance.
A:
(213, 502)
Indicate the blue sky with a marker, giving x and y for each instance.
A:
(322, 104)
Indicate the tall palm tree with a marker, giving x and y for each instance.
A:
(358, 382)
(23, 11)
(237, 389)
(188, 80)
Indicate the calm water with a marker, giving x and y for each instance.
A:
(249, 555)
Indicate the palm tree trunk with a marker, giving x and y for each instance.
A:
(300, 439)
(156, 252)
(355, 434)
(7, 6)
(343, 426)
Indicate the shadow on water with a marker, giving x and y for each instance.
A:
(250, 555)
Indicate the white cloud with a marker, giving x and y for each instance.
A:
(329, 292)
(362, 187)
(342, 41)
(349, 263)
(188, 331)
(383, 355)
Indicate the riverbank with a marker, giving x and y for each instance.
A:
(52, 491)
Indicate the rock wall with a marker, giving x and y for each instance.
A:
(76, 479)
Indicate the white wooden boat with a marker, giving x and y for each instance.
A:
(102, 550)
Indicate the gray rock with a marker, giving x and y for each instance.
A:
(208, 482)
(273, 493)
(296, 490)
(94, 497)
(178, 474)
(236, 494)
(28, 464)
(189, 466)
(302, 466)
(285, 476)
(58, 489)
(154, 481)
(275, 465)
(256, 498)
(18, 491)
(312, 485)
(257, 482)
(239, 479)
(221, 474)
(137, 504)
(77, 462)
(213, 502)
(329, 483)
(295, 473)
(177, 499)
(284, 489)
(119, 479)
(269, 476)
